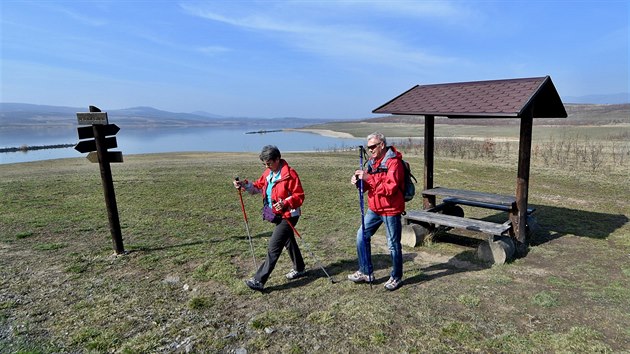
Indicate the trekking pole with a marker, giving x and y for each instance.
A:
(308, 248)
(361, 204)
(249, 236)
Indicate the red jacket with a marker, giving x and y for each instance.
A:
(384, 185)
(287, 188)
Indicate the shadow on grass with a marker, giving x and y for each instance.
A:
(338, 271)
(260, 235)
(133, 248)
(555, 222)
(465, 261)
(551, 223)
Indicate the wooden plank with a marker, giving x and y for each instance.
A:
(458, 222)
(472, 195)
(459, 201)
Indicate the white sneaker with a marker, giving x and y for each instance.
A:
(393, 284)
(294, 274)
(359, 277)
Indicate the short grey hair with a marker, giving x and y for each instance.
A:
(378, 135)
(269, 152)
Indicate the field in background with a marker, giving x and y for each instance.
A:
(180, 286)
(594, 138)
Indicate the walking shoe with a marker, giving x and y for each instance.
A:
(393, 284)
(359, 277)
(294, 274)
(254, 284)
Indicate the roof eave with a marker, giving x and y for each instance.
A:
(393, 99)
(453, 115)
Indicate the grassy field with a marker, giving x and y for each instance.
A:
(540, 132)
(180, 286)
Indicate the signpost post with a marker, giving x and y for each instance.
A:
(97, 152)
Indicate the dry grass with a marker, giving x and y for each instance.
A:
(180, 286)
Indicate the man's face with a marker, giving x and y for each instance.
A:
(375, 147)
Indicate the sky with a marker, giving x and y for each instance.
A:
(331, 59)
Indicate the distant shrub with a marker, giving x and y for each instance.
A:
(25, 234)
(545, 299)
(199, 303)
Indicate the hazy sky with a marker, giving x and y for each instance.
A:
(311, 59)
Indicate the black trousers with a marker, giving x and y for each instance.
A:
(282, 237)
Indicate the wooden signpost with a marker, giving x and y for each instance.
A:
(96, 147)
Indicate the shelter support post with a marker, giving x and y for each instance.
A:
(519, 216)
(428, 201)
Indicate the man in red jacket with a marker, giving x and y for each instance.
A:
(282, 198)
(383, 180)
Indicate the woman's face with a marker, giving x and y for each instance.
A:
(273, 165)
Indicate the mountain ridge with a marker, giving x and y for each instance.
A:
(31, 115)
(26, 114)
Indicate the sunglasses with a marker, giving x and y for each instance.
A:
(373, 146)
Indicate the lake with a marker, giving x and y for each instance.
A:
(166, 139)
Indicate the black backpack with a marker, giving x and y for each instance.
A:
(410, 190)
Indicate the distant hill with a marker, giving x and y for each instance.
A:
(578, 114)
(30, 115)
(25, 115)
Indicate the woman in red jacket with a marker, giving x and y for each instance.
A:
(282, 198)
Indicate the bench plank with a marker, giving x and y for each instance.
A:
(472, 196)
(452, 200)
(458, 222)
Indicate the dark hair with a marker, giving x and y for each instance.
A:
(269, 152)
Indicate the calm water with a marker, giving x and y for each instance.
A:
(154, 140)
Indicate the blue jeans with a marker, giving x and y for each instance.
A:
(393, 230)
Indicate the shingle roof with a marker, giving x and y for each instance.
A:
(480, 99)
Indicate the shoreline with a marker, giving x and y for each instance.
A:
(25, 148)
(336, 134)
(323, 132)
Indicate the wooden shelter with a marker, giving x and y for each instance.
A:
(525, 99)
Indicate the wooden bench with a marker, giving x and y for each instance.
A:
(436, 216)
(471, 196)
(458, 222)
(476, 199)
